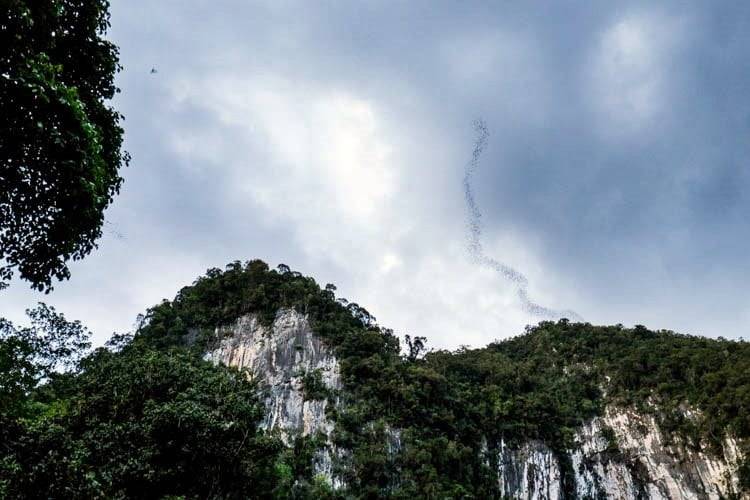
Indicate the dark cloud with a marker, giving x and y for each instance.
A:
(615, 179)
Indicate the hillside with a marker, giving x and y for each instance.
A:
(337, 407)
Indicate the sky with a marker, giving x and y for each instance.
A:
(336, 137)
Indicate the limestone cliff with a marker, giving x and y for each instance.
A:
(279, 356)
(621, 454)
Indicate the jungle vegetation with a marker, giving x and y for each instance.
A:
(60, 139)
(147, 417)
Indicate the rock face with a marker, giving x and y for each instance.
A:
(280, 356)
(621, 454)
(528, 471)
(644, 465)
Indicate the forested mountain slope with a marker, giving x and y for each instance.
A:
(334, 407)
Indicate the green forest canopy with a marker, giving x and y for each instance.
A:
(141, 417)
(60, 142)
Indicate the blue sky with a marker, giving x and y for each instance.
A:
(334, 136)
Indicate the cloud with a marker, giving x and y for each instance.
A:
(330, 177)
(333, 137)
(630, 70)
(325, 158)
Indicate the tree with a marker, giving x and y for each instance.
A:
(416, 347)
(60, 143)
(32, 354)
(141, 423)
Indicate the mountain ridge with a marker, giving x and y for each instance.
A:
(260, 383)
(541, 386)
(607, 455)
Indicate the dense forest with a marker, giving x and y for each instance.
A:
(147, 417)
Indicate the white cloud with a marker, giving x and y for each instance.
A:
(337, 146)
(324, 170)
(113, 285)
(629, 71)
(390, 262)
(332, 176)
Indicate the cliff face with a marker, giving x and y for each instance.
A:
(621, 454)
(279, 356)
(649, 466)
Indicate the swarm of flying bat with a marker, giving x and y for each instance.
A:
(476, 252)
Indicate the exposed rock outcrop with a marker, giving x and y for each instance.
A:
(644, 464)
(621, 454)
(528, 471)
(280, 355)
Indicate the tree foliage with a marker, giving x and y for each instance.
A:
(130, 423)
(33, 354)
(60, 142)
(451, 409)
(415, 348)
(149, 418)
